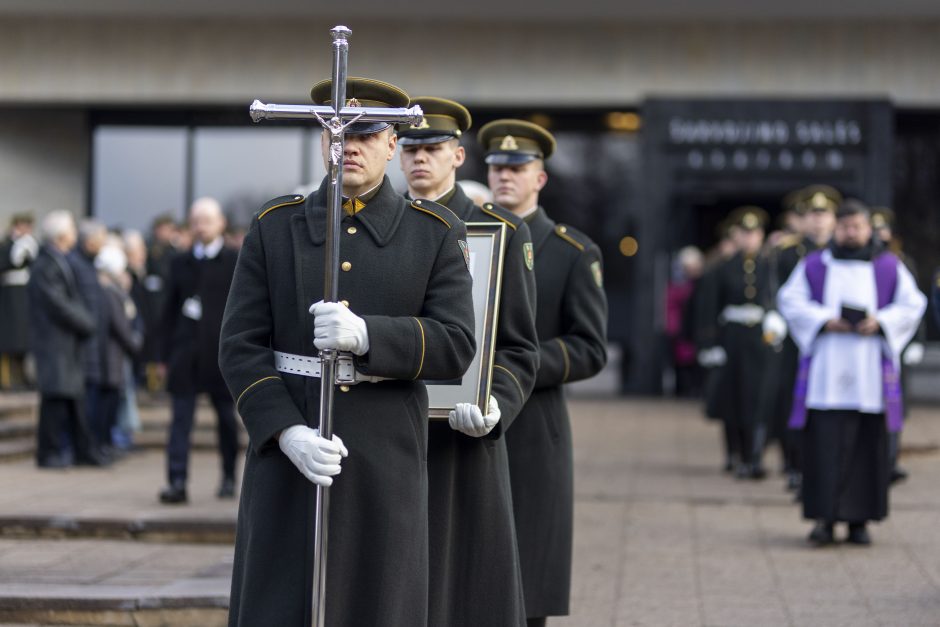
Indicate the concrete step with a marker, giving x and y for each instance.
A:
(174, 530)
(118, 583)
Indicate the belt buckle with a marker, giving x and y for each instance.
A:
(345, 370)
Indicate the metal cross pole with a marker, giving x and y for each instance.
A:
(334, 120)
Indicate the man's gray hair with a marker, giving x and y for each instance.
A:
(90, 228)
(55, 224)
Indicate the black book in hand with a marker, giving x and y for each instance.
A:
(853, 315)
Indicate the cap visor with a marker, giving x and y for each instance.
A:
(366, 128)
(509, 158)
(414, 140)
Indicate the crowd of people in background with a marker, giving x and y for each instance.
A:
(780, 354)
(93, 316)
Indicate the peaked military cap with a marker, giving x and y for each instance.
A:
(748, 218)
(882, 218)
(363, 92)
(819, 198)
(443, 120)
(514, 142)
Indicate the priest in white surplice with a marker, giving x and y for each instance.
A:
(851, 309)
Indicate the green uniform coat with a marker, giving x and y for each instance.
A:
(571, 322)
(408, 280)
(475, 573)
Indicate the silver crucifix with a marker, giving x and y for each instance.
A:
(334, 120)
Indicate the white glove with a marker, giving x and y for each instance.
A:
(24, 247)
(774, 327)
(712, 357)
(316, 458)
(913, 354)
(468, 419)
(335, 326)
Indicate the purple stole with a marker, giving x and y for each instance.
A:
(886, 281)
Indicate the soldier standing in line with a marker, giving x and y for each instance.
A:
(711, 357)
(571, 321)
(475, 577)
(883, 221)
(17, 252)
(816, 207)
(738, 298)
(405, 315)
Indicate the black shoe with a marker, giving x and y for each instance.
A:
(226, 489)
(174, 494)
(53, 461)
(858, 534)
(821, 535)
(794, 481)
(898, 474)
(757, 472)
(728, 467)
(742, 471)
(92, 458)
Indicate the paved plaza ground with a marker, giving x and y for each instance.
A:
(662, 537)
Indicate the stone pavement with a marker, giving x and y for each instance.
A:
(662, 537)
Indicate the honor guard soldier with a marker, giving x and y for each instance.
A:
(738, 299)
(406, 314)
(815, 207)
(883, 221)
(571, 322)
(17, 252)
(474, 560)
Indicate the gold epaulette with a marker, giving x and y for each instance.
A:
(572, 236)
(435, 210)
(500, 214)
(280, 201)
(789, 241)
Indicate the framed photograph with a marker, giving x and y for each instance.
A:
(486, 242)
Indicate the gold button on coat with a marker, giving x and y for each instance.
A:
(344, 303)
(344, 388)
(346, 266)
(352, 230)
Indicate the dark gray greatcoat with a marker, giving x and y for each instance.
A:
(60, 322)
(408, 279)
(92, 294)
(571, 322)
(474, 566)
(193, 345)
(14, 303)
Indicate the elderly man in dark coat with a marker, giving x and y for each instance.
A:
(476, 577)
(406, 315)
(60, 322)
(571, 322)
(196, 293)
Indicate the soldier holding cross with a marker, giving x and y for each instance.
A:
(405, 314)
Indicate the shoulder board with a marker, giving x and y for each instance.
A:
(789, 241)
(280, 201)
(573, 236)
(435, 210)
(503, 215)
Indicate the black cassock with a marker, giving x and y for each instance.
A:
(405, 274)
(845, 466)
(475, 576)
(571, 322)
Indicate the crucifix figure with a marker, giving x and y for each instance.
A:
(335, 118)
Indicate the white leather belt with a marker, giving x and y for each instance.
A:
(307, 366)
(16, 277)
(748, 315)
